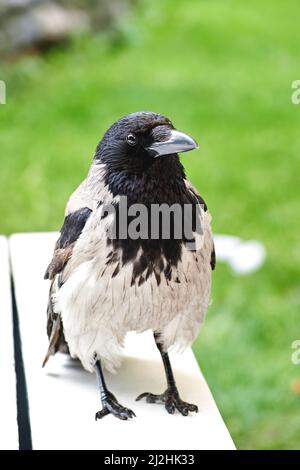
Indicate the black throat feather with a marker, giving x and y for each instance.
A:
(150, 181)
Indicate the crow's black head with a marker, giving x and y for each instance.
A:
(133, 143)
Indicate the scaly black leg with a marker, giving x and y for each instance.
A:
(170, 398)
(109, 402)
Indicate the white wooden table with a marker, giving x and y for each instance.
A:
(63, 398)
(8, 405)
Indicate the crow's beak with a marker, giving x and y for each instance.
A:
(178, 142)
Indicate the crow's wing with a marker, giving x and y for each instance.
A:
(69, 234)
(79, 208)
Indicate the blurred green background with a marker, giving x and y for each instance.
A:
(222, 71)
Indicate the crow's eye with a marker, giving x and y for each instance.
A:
(131, 139)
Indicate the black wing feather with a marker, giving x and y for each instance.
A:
(71, 230)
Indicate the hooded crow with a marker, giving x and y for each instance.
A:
(113, 271)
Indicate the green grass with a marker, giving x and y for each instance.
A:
(222, 71)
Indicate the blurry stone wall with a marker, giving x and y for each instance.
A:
(33, 24)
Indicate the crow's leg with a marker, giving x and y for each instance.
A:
(109, 402)
(170, 398)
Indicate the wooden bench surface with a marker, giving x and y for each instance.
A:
(8, 406)
(63, 398)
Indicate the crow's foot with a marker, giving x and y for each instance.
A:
(171, 399)
(110, 405)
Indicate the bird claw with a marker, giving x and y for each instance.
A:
(111, 406)
(172, 401)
